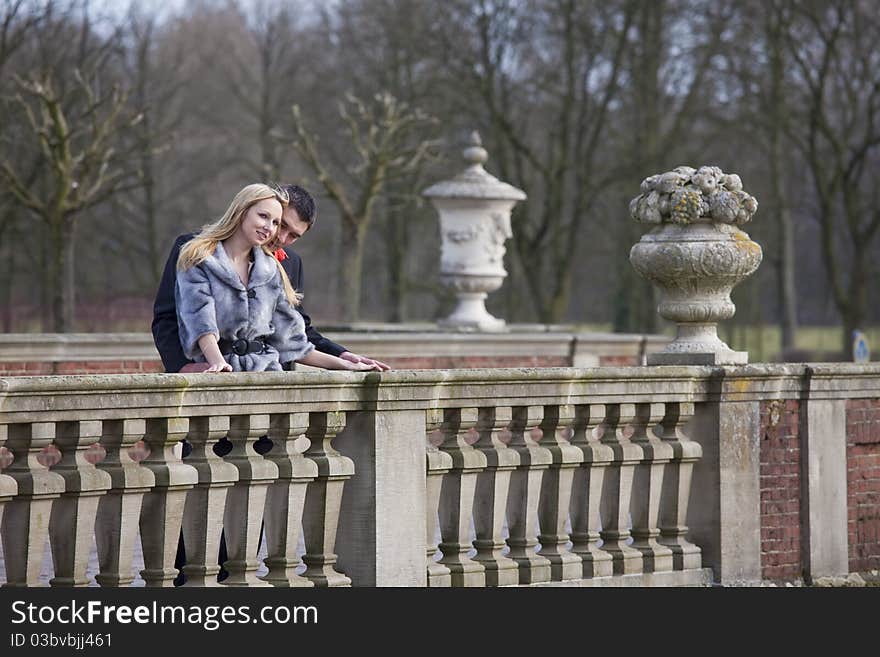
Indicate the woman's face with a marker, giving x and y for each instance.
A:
(261, 221)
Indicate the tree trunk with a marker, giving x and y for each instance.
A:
(68, 276)
(786, 288)
(6, 286)
(397, 242)
(55, 276)
(149, 186)
(350, 266)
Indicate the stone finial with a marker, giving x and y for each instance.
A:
(475, 154)
(474, 183)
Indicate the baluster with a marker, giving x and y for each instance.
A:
(457, 496)
(438, 463)
(206, 502)
(647, 488)
(162, 509)
(524, 494)
(26, 518)
(72, 523)
(587, 485)
(8, 485)
(119, 510)
(246, 500)
(555, 499)
(285, 499)
(617, 489)
(490, 502)
(323, 499)
(677, 486)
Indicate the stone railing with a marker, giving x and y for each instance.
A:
(604, 476)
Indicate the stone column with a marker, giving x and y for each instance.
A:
(382, 530)
(72, 524)
(490, 496)
(206, 502)
(8, 486)
(648, 487)
(525, 491)
(162, 510)
(617, 489)
(285, 500)
(437, 463)
(457, 496)
(246, 500)
(677, 486)
(26, 517)
(725, 517)
(586, 490)
(824, 511)
(323, 499)
(119, 510)
(556, 488)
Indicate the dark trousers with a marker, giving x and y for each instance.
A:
(221, 448)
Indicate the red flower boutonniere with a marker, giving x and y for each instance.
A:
(280, 255)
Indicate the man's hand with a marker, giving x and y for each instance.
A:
(354, 358)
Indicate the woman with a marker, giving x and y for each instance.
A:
(236, 309)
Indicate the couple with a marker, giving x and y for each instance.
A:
(228, 299)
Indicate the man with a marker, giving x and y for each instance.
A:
(297, 219)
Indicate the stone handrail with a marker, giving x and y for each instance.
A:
(526, 476)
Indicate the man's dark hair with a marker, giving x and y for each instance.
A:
(303, 202)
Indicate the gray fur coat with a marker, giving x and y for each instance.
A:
(211, 298)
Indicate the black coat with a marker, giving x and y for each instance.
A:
(165, 331)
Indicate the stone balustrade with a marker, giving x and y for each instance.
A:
(485, 477)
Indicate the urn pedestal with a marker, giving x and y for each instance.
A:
(474, 209)
(695, 266)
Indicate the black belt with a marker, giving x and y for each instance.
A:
(241, 346)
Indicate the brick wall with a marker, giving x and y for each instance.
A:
(780, 491)
(863, 483)
(456, 362)
(80, 367)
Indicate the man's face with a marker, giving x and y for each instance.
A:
(291, 228)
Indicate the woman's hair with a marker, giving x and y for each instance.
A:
(205, 242)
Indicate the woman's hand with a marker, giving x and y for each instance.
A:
(222, 366)
(216, 362)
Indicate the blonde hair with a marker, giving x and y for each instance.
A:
(205, 242)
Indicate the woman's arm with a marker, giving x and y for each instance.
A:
(216, 362)
(317, 358)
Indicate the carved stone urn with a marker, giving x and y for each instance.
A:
(695, 255)
(474, 209)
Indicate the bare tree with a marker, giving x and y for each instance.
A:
(545, 76)
(387, 138)
(835, 54)
(76, 149)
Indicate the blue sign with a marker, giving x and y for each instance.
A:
(861, 353)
